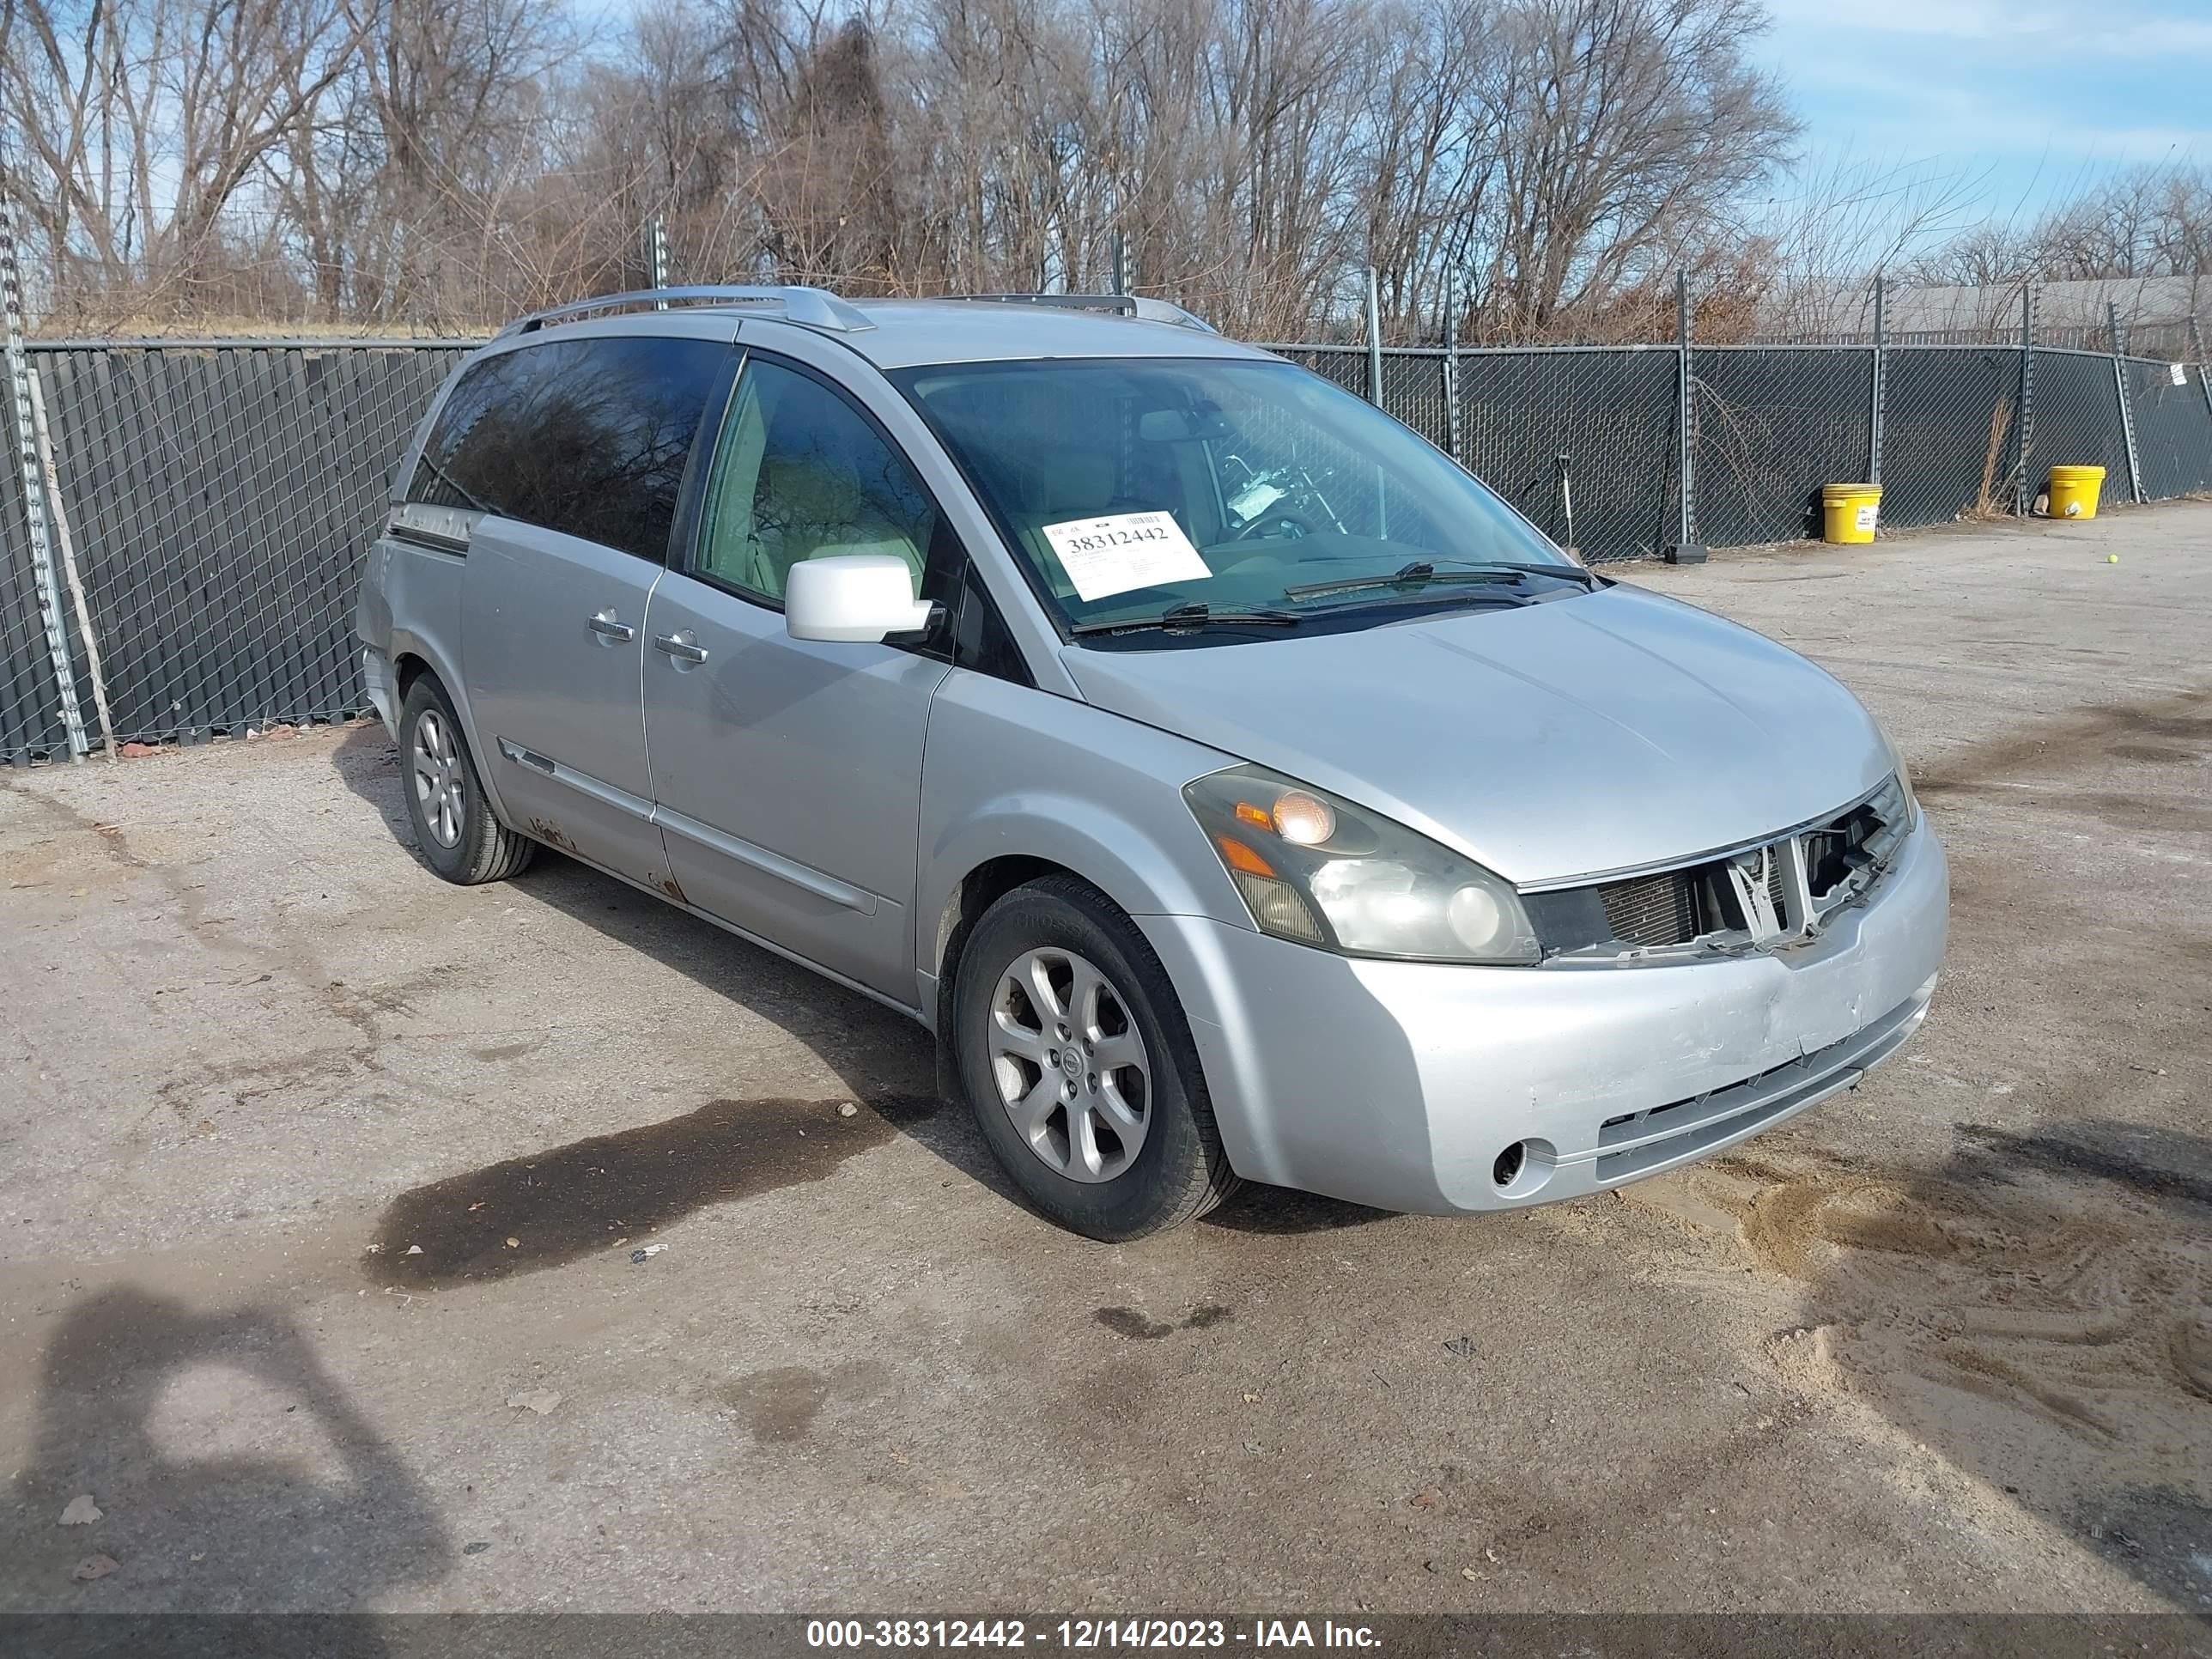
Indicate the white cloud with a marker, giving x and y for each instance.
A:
(2113, 30)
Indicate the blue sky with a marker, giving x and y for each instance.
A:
(2028, 100)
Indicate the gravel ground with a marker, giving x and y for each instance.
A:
(1942, 1344)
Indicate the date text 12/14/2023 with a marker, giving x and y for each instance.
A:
(1083, 1635)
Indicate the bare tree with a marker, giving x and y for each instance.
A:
(2137, 222)
(146, 119)
(1624, 129)
(447, 162)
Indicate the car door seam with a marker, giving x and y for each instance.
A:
(644, 725)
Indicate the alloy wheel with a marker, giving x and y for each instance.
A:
(437, 768)
(1070, 1064)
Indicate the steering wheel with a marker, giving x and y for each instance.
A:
(1286, 525)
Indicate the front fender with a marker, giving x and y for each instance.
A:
(1124, 857)
(1010, 772)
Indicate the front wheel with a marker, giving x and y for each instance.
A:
(1077, 1061)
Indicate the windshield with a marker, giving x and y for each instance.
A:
(1138, 488)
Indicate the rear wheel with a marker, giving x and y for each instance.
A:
(459, 836)
(1077, 1061)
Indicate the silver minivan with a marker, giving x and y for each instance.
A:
(1236, 787)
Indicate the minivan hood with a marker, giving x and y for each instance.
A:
(1589, 734)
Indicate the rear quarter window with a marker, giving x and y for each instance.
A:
(588, 437)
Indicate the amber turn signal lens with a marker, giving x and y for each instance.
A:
(1240, 857)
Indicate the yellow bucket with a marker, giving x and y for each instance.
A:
(1851, 510)
(2074, 491)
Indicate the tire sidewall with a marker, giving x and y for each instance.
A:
(456, 862)
(1146, 1195)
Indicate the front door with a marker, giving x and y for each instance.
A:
(788, 772)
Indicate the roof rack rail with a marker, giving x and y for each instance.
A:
(1142, 306)
(811, 307)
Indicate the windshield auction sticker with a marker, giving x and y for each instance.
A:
(1110, 555)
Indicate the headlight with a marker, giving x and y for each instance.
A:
(1320, 871)
(1904, 789)
(1903, 779)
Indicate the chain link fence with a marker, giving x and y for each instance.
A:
(220, 499)
(1774, 424)
(221, 496)
(1950, 432)
(2172, 415)
(2076, 406)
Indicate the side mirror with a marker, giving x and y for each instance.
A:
(852, 598)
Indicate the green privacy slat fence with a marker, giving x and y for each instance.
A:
(221, 500)
(221, 494)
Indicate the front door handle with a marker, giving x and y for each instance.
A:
(682, 647)
(607, 626)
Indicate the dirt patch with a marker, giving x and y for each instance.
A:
(780, 1404)
(1141, 1328)
(2156, 754)
(2076, 741)
(2035, 1312)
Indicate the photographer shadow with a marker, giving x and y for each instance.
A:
(319, 1515)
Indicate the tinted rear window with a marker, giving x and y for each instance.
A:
(589, 437)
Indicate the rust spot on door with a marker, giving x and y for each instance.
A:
(551, 834)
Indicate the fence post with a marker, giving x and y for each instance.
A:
(1374, 339)
(2120, 390)
(34, 485)
(2196, 351)
(66, 547)
(656, 256)
(2023, 426)
(1685, 549)
(1451, 367)
(1874, 419)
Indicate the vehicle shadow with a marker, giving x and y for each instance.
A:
(885, 1063)
(582, 1196)
(320, 1516)
(1283, 1210)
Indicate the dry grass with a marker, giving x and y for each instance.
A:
(1986, 505)
(166, 327)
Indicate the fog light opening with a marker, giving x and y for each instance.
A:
(1523, 1168)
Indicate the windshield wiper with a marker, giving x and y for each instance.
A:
(1194, 614)
(1422, 572)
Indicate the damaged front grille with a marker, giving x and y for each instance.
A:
(1660, 909)
(1765, 895)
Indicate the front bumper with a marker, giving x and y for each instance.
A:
(1399, 1084)
(376, 679)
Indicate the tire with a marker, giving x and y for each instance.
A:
(1025, 1089)
(458, 834)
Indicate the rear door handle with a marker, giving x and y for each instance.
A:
(681, 646)
(607, 627)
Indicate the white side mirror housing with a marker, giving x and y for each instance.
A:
(852, 598)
